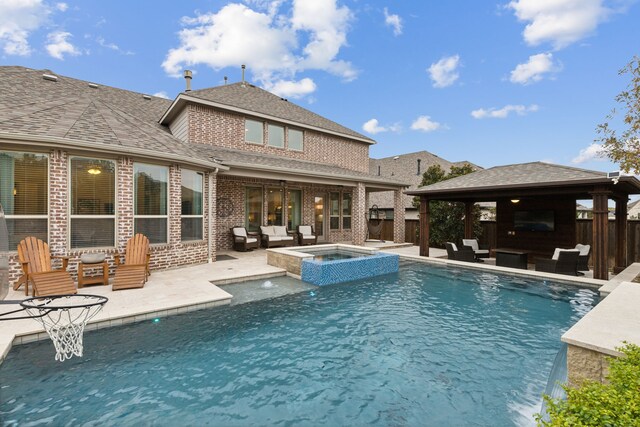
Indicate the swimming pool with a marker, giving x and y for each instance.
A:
(425, 346)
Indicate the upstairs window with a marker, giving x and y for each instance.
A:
(150, 201)
(24, 195)
(276, 136)
(253, 132)
(93, 218)
(295, 138)
(192, 219)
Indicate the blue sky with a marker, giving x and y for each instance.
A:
(491, 82)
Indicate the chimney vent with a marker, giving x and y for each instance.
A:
(188, 75)
(147, 97)
(418, 167)
(93, 86)
(243, 68)
(50, 77)
(225, 79)
(378, 170)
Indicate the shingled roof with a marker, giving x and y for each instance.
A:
(522, 176)
(252, 99)
(72, 111)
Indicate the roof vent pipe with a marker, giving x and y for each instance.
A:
(225, 79)
(243, 68)
(418, 167)
(378, 170)
(188, 75)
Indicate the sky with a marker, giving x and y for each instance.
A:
(490, 82)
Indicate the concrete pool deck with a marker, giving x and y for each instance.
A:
(198, 287)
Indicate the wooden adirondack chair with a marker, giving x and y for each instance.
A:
(134, 271)
(35, 258)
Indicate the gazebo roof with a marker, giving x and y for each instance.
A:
(524, 179)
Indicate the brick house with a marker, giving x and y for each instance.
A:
(85, 166)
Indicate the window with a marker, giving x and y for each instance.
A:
(276, 136)
(24, 195)
(295, 139)
(253, 131)
(192, 219)
(92, 215)
(294, 209)
(253, 208)
(334, 211)
(346, 211)
(150, 201)
(274, 206)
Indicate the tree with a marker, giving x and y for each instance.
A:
(624, 148)
(447, 218)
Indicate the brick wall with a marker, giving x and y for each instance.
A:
(173, 254)
(210, 126)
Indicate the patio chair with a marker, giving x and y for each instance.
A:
(133, 272)
(563, 261)
(276, 235)
(306, 236)
(480, 252)
(583, 258)
(456, 254)
(35, 259)
(243, 240)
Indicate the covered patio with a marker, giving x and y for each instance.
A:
(536, 208)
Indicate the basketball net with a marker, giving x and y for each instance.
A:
(64, 318)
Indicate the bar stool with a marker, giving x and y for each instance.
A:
(93, 261)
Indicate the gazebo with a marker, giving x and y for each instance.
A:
(536, 207)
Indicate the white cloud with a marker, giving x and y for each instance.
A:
(559, 22)
(162, 94)
(592, 152)
(18, 18)
(443, 73)
(62, 7)
(425, 124)
(534, 69)
(503, 112)
(373, 127)
(394, 21)
(292, 89)
(58, 45)
(275, 47)
(102, 42)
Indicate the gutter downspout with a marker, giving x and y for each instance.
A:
(210, 251)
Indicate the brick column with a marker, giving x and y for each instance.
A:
(398, 216)
(175, 205)
(58, 197)
(211, 211)
(359, 214)
(125, 202)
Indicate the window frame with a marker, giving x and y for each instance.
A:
(135, 198)
(201, 204)
(261, 123)
(284, 136)
(331, 215)
(301, 149)
(342, 215)
(48, 187)
(115, 206)
(246, 207)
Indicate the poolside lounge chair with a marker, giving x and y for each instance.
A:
(563, 261)
(306, 236)
(456, 254)
(477, 250)
(276, 235)
(583, 258)
(134, 271)
(242, 240)
(35, 258)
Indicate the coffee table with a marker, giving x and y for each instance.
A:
(514, 258)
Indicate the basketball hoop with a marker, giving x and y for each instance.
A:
(64, 317)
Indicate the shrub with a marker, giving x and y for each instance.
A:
(616, 403)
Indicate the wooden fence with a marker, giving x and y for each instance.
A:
(584, 230)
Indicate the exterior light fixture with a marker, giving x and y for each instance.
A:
(515, 200)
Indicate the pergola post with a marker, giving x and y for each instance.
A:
(621, 235)
(468, 220)
(424, 226)
(600, 233)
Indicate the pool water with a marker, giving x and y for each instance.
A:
(335, 255)
(425, 346)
